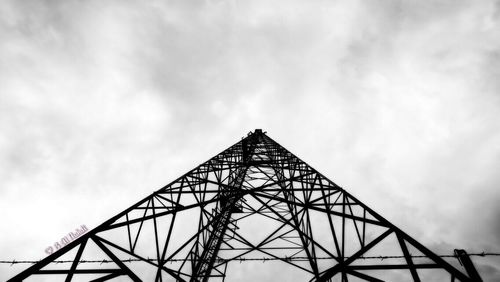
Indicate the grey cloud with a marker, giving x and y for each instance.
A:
(397, 102)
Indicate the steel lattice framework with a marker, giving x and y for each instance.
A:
(254, 201)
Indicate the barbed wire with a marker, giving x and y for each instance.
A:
(242, 259)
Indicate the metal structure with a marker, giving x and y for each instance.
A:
(253, 212)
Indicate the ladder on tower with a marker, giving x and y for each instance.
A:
(229, 203)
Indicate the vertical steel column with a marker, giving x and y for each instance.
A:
(465, 260)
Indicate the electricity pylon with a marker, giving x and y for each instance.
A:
(254, 212)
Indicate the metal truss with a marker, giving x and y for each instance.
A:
(253, 200)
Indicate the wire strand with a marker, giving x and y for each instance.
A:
(12, 262)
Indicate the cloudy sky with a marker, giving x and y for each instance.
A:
(103, 102)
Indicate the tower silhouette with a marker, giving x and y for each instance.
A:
(254, 212)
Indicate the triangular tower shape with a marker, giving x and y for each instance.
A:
(253, 202)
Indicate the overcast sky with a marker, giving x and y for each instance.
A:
(103, 102)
